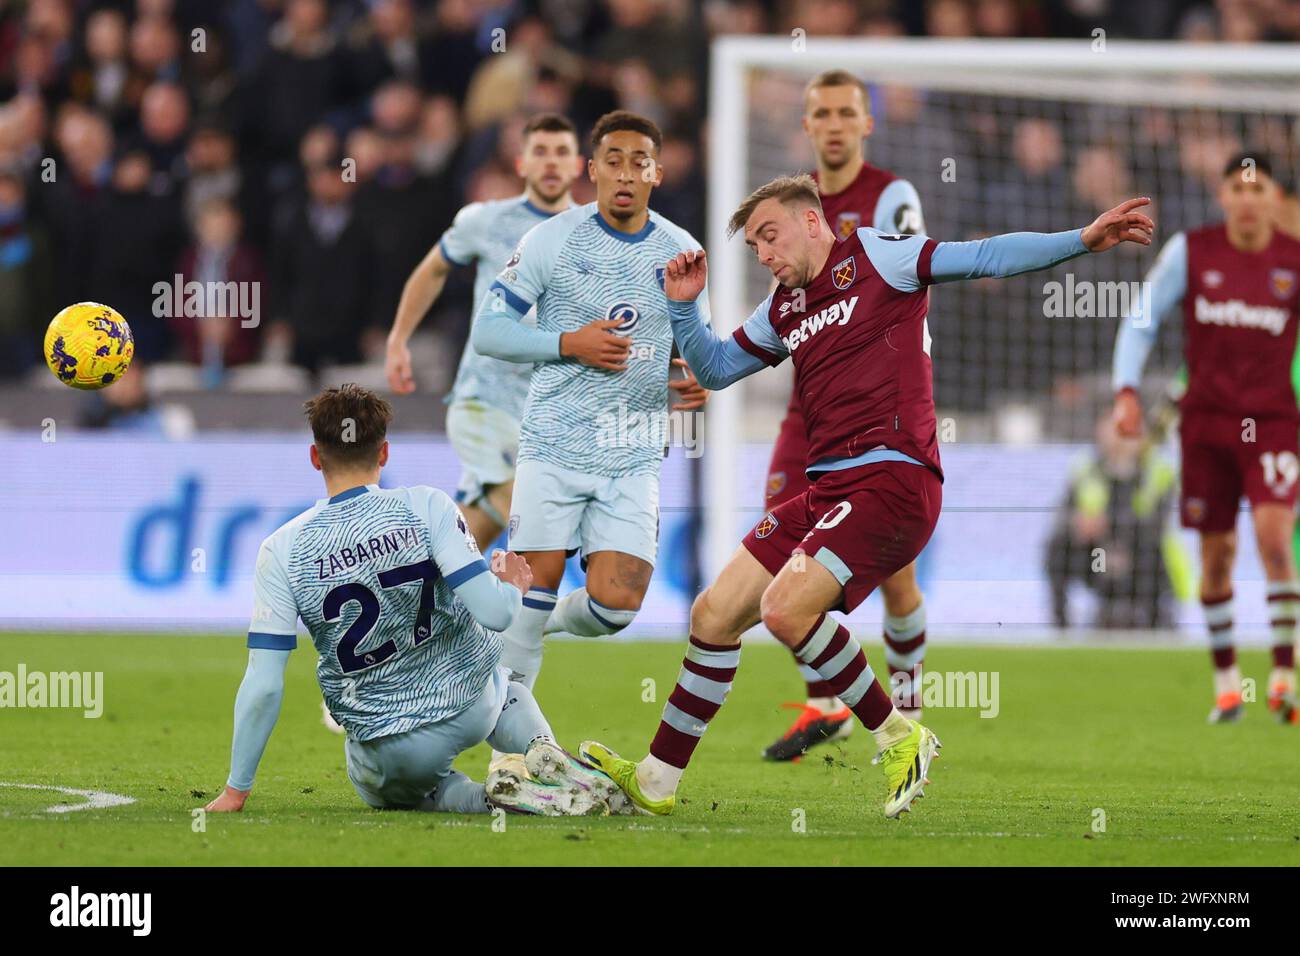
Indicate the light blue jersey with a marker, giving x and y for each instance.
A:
(576, 268)
(372, 573)
(484, 234)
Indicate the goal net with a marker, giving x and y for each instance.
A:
(1000, 136)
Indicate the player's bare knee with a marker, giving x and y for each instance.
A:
(710, 622)
(901, 594)
(786, 624)
(615, 597)
(1277, 560)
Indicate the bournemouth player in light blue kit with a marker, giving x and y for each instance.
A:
(487, 399)
(594, 428)
(403, 611)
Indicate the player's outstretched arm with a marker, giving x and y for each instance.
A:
(716, 362)
(1017, 252)
(1162, 289)
(257, 705)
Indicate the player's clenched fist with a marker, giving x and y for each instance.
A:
(397, 368)
(597, 345)
(684, 275)
(1128, 414)
(512, 569)
(690, 393)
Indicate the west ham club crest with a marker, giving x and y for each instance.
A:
(844, 273)
(846, 223)
(766, 526)
(1282, 282)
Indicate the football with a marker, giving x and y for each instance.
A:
(89, 345)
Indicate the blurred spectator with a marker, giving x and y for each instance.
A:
(732, 17)
(300, 79)
(502, 84)
(101, 80)
(217, 259)
(26, 299)
(949, 18)
(211, 79)
(438, 135)
(323, 291)
(164, 119)
(136, 240)
(454, 49)
(406, 210)
(643, 32)
(74, 203)
(129, 407)
(386, 46)
(155, 52)
(1110, 533)
(680, 196)
(22, 130)
(211, 168)
(833, 18)
(1101, 179)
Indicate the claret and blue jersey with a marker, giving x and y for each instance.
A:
(859, 338)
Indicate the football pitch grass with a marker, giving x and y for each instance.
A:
(1097, 756)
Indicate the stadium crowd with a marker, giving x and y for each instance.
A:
(317, 148)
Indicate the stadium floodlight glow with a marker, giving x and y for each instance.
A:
(1081, 85)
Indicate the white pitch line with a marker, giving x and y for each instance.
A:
(95, 799)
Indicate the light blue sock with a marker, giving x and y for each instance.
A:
(521, 722)
(521, 649)
(578, 613)
(459, 794)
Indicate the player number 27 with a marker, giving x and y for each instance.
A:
(1280, 470)
(349, 660)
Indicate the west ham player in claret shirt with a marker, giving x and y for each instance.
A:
(836, 119)
(1237, 282)
(851, 315)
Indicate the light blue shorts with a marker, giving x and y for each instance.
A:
(486, 440)
(558, 509)
(401, 770)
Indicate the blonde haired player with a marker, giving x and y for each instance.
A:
(837, 120)
(862, 366)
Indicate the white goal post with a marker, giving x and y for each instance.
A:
(1229, 83)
